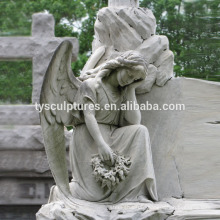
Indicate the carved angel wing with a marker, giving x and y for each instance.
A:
(59, 88)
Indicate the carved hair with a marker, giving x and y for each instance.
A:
(128, 59)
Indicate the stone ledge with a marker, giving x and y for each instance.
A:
(19, 115)
(21, 137)
(26, 174)
(31, 191)
(172, 209)
(28, 47)
(25, 161)
(27, 137)
(194, 209)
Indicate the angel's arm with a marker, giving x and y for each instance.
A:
(132, 116)
(92, 73)
(104, 150)
(92, 62)
(100, 71)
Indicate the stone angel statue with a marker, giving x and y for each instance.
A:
(110, 152)
(113, 135)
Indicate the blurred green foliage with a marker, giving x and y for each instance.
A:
(192, 27)
(16, 82)
(193, 30)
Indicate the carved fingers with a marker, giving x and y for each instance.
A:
(105, 153)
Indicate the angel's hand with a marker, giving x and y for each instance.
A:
(105, 152)
(90, 72)
(85, 77)
(135, 84)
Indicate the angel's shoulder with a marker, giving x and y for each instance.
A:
(88, 85)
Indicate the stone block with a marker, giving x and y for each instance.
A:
(19, 115)
(17, 191)
(24, 137)
(24, 212)
(114, 25)
(185, 144)
(149, 80)
(21, 137)
(164, 65)
(43, 25)
(23, 161)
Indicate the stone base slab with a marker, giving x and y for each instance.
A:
(169, 209)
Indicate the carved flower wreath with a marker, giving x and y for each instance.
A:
(110, 175)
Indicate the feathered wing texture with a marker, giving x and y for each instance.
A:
(59, 88)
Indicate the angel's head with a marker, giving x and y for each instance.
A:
(127, 75)
(126, 69)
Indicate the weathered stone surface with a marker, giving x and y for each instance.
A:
(157, 211)
(24, 191)
(29, 47)
(26, 174)
(185, 144)
(25, 164)
(23, 161)
(43, 25)
(88, 210)
(21, 137)
(194, 209)
(19, 115)
(164, 65)
(23, 212)
(171, 209)
(128, 25)
(16, 137)
(153, 48)
(149, 80)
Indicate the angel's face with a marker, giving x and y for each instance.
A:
(127, 76)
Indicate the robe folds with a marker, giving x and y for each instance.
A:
(131, 141)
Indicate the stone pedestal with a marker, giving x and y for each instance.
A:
(170, 209)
